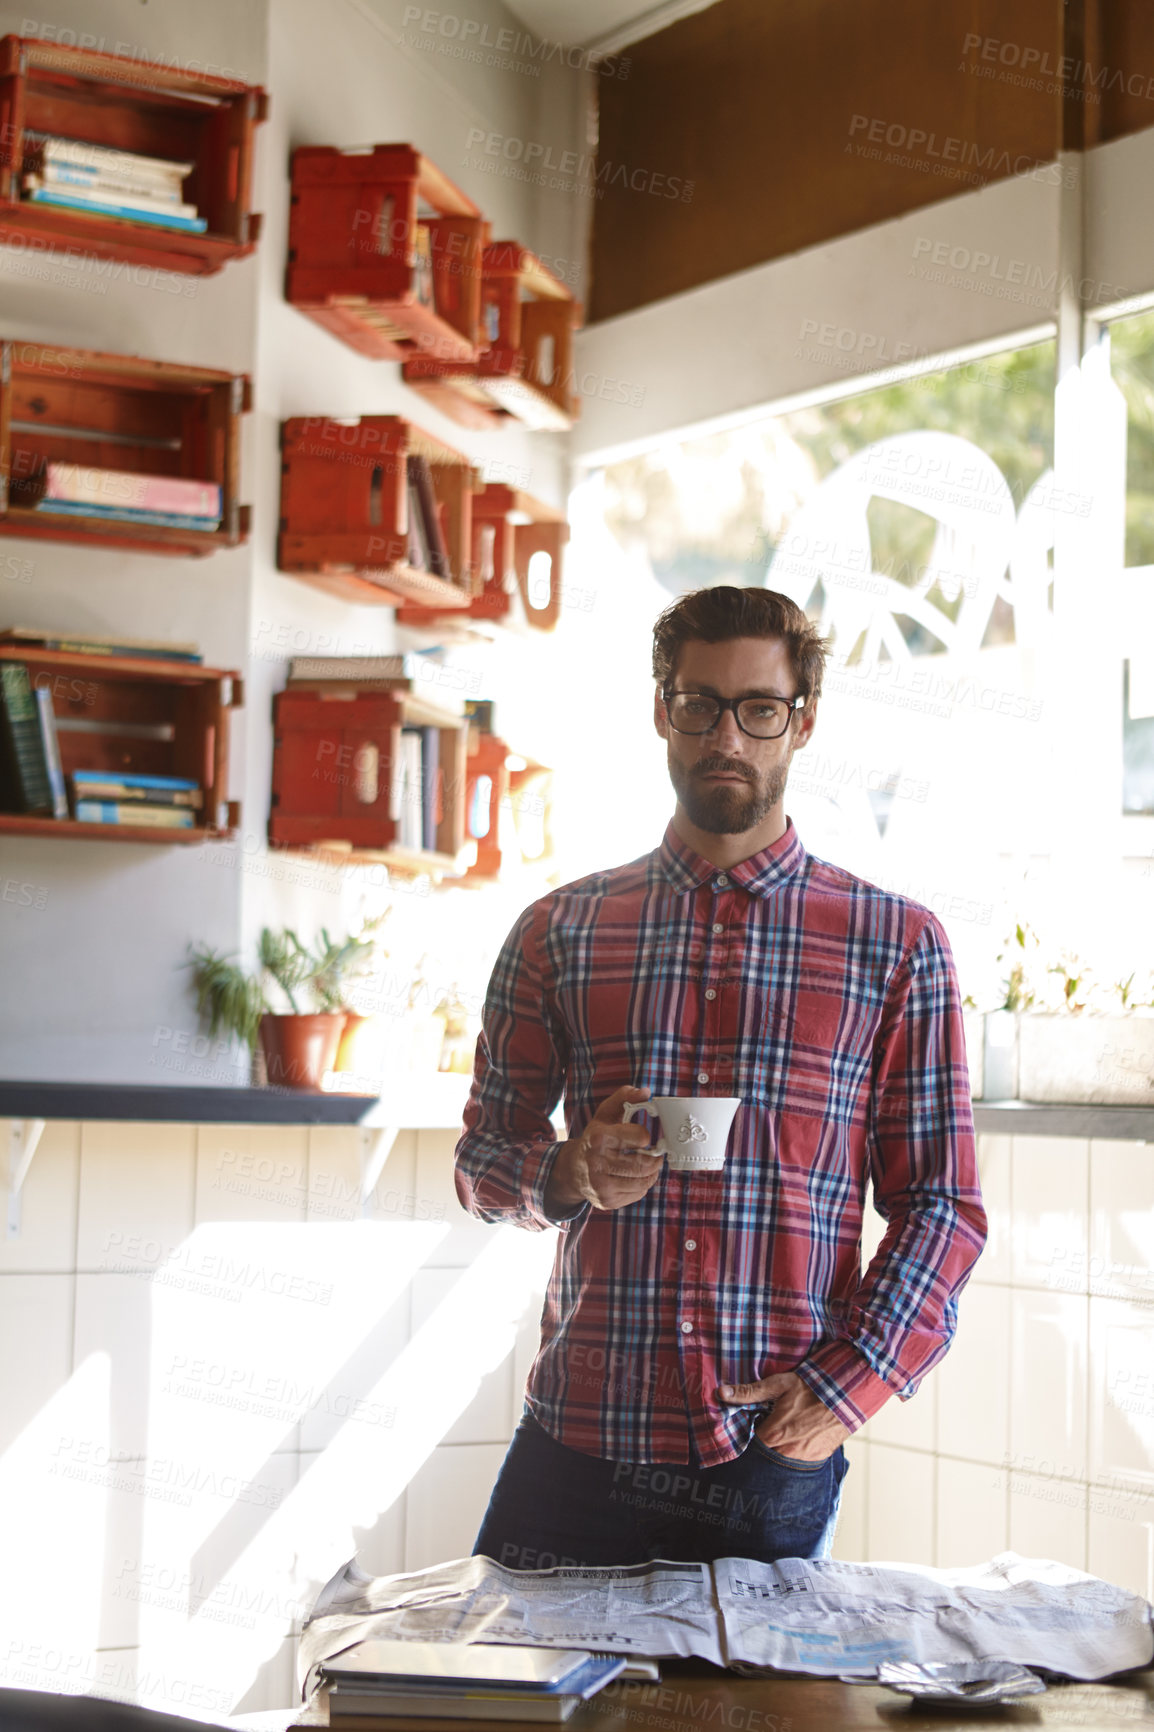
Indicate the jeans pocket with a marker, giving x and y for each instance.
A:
(789, 1461)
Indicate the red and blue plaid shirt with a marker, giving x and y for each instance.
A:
(831, 1009)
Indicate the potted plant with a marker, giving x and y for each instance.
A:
(298, 1044)
(1061, 1036)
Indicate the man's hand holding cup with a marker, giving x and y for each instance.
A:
(608, 1164)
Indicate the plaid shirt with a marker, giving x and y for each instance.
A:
(831, 1008)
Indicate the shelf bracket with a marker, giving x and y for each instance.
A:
(376, 1146)
(23, 1139)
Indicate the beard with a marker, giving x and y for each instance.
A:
(727, 808)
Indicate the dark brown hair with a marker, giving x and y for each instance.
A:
(717, 614)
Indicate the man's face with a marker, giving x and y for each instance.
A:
(727, 783)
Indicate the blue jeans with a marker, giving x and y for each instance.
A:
(552, 1505)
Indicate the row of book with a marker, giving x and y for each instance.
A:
(428, 550)
(120, 495)
(72, 174)
(93, 644)
(33, 780)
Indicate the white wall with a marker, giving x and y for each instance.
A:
(99, 936)
(825, 318)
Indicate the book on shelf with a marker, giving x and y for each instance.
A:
(104, 159)
(50, 747)
(77, 200)
(92, 643)
(420, 473)
(134, 812)
(133, 184)
(120, 195)
(126, 786)
(423, 265)
(432, 786)
(408, 791)
(24, 779)
(124, 489)
(125, 514)
(419, 553)
(442, 1680)
(480, 713)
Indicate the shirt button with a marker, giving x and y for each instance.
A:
(703, 1076)
(722, 879)
(724, 1061)
(687, 1329)
(691, 1244)
(709, 992)
(718, 927)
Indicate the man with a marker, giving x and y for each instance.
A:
(708, 1339)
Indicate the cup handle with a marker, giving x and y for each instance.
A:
(660, 1147)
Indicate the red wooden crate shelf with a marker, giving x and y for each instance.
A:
(332, 792)
(186, 707)
(516, 782)
(526, 371)
(354, 252)
(344, 523)
(124, 413)
(508, 528)
(151, 110)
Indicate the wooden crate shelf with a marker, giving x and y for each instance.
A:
(118, 412)
(186, 703)
(520, 784)
(333, 778)
(525, 372)
(508, 527)
(344, 524)
(354, 262)
(116, 102)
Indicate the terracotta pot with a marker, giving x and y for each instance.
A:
(298, 1050)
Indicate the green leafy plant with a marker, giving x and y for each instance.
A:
(232, 999)
(1019, 949)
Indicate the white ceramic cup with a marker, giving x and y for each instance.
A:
(695, 1129)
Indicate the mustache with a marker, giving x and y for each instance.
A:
(723, 769)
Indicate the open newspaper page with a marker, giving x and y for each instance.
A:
(657, 1610)
(842, 1620)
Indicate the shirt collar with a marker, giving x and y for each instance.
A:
(761, 874)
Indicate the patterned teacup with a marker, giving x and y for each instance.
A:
(695, 1129)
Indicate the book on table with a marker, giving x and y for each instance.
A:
(376, 1680)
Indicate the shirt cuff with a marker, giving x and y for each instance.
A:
(536, 1170)
(838, 1375)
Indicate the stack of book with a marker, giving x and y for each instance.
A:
(117, 797)
(445, 1681)
(171, 501)
(74, 175)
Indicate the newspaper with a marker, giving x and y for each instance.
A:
(833, 1620)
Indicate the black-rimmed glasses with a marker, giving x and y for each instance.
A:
(700, 712)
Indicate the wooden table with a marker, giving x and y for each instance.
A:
(693, 1695)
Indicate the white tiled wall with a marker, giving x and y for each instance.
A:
(223, 1377)
(1036, 1432)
